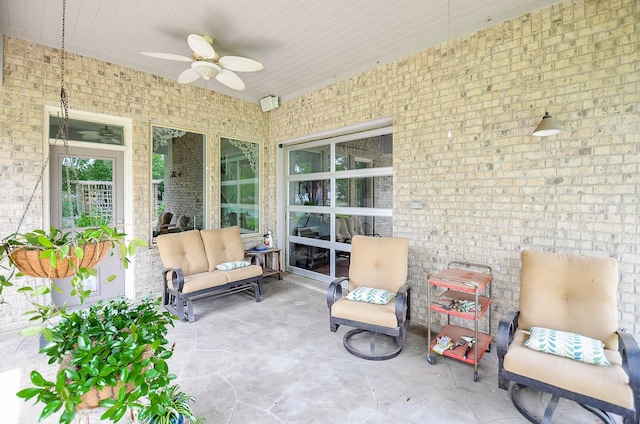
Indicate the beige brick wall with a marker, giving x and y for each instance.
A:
(489, 191)
(493, 190)
(31, 80)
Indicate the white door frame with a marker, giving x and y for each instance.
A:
(48, 139)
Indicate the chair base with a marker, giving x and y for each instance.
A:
(372, 355)
(550, 408)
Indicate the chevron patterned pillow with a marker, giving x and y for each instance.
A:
(569, 345)
(370, 295)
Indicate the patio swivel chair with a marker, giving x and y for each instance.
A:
(378, 299)
(564, 339)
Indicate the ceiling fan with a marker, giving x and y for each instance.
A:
(206, 63)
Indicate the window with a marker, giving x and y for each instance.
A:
(240, 185)
(88, 131)
(178, 173)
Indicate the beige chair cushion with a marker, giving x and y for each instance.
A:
(378, 262)
(570, 293)
(183, 250)
(222, 245)
(370, 313)
(609, 383)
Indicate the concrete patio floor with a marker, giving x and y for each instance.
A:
(277, 362)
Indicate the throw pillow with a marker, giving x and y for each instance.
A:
(569, 345)
(228, 266)
(370, 295)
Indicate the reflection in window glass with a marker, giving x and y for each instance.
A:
(313, 159)
(311, 258)
(177, 180)
(310, 193)
(88, 131)
(240, 185)
(310, 225)
(370, 152)
(369, 192)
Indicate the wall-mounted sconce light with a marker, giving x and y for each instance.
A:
(547, 127)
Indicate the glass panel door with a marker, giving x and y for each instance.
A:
(336, 189)
(87, 190)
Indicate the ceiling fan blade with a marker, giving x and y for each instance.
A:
(200, 46)
(187, 76)
(168, 56)
(89, 135)
(240, 64)
(230, 79)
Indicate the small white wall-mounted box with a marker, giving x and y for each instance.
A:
(269, 103)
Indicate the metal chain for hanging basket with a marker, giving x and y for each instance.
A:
(27, 258)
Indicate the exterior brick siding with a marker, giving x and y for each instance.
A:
(489, 191)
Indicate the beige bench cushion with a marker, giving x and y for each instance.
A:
(183, 250)
(242, 273)
(370, 313)
(201, 281)
(579, 377)
(222, 245)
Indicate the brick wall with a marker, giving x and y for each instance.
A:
(489, 191)
(492, 190)
(31, 80)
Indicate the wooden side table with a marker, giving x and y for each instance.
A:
(269, 260)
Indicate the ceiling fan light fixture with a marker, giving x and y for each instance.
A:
(206, 70)
(547, 127)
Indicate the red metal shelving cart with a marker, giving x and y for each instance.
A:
(456, 287)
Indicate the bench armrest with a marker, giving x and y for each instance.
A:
(177, 278)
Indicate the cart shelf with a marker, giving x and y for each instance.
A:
(446, 298)
(456, 333)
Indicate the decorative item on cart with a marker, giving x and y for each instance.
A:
(268, 240)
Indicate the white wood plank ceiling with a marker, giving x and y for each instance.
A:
(304, 45)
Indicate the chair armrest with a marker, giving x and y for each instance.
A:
(177, 278)
(334, 292)
(630, 353)
(506, 329)
(402, 303)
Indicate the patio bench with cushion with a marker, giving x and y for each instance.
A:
(204, 263)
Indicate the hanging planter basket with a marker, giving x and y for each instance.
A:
(28, 261)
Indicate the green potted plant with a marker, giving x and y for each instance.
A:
(56, 254)
(110, 355)
(168, 406)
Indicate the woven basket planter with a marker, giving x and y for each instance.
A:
(92, 398)
(28, 261)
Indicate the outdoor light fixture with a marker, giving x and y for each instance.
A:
(206, 70)
(547, 127)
